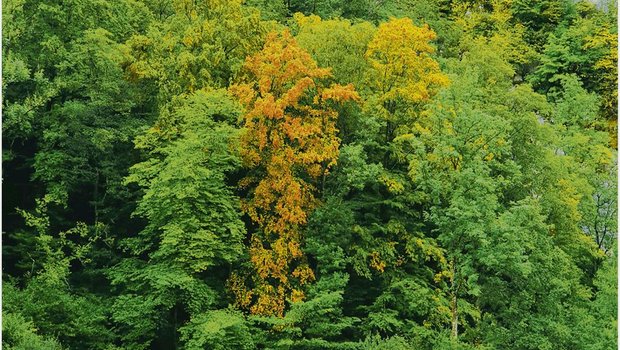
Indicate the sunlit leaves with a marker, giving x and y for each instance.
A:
(402, 68)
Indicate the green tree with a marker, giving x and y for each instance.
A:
(18, 333)
(193, 232)
(44, 298)
(197, 45)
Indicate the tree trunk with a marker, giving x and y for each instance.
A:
(455, 318)
(454, 302)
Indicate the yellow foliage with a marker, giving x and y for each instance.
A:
(297, 295)
(376, 262)
(393, 185)
(287, 141)
(571, 198)
(494, 27)
(200, 45)
(403, 69)
(270, 300)
(607, 67)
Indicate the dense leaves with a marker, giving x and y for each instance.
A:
(326, 174)
(289, 145)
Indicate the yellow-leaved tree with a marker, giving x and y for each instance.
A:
(288, 146)
(403, 74)
(606, 69)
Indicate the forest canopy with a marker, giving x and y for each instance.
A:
(328, 174)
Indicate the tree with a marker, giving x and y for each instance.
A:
(338, 44)
(21, 334)
(289, 145)
(540, 18)
(403, 73)
(198, 44)
(587, 49)
(605, 305)
(495, 22)
(68, 113)
(44, 297)
(193, 226)
(588, 148)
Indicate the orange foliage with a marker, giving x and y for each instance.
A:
(289, 143)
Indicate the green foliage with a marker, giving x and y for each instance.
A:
(587, 48)
(186, 200)
(193, 218)
(18, 333)
(396, 343)
(605, 305)
(318, 322)
(74, 317)
(464, 198)
(198, 44)
(337, 44)
(540, 17)
(220, 329)
(535, 281)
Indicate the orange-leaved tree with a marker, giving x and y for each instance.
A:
(290, 143)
